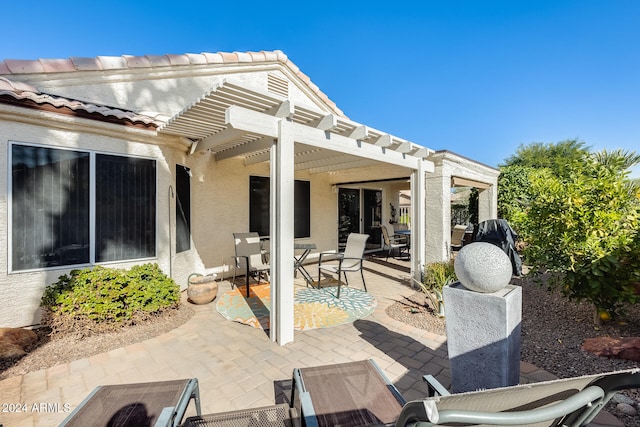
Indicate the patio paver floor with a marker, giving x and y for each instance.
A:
(238, 367)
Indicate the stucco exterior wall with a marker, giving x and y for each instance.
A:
(24, 289)
(161, 92)
(219, 207)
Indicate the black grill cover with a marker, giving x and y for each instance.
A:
(500, 233)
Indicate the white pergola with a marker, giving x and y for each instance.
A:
(232, 120)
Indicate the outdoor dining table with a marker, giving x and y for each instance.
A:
(300, 259)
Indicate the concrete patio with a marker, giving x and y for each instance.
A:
(238, 367)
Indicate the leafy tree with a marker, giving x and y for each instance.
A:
(559, 157)
(514, 190)
(583, 222)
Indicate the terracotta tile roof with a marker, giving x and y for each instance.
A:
(26, 95)
(14, 67)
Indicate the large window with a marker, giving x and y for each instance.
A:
(58, 218)
(259, 194)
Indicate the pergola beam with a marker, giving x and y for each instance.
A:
(255, 122)
(225, 136)
(239, 150)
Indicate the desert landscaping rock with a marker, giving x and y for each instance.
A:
(15, 342)
(619, 348)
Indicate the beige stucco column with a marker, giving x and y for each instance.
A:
(437, 216)
(451, 167)
(488, 203)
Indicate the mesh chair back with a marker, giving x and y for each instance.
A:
(248, 244)
(354, 251)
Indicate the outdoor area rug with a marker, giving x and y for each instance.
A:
(313, 308)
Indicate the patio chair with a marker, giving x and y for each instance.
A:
(390, 243)
(565, 402)
(249, 257)
(457, 237)
(159, 404)
(348, 261)
(346, 394)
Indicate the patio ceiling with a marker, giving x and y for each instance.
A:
(234, 121)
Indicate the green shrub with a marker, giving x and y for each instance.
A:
(99, 298)
(438, 274)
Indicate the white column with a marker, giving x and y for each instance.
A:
(418, 219)
(281, 233)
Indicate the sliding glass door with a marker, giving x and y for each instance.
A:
(359, 211)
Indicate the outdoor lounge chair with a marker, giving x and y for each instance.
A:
(348, 261)
(158, 404)
(249, 257)
(391, 243)
(565, 402)
(346, 394)
(358, 393)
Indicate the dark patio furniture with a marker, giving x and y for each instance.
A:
(158, 404)
(347, 394)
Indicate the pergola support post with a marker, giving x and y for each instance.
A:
(282, 233)
(418, 191)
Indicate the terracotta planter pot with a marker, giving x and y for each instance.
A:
(202, 289)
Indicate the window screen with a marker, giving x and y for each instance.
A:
(125, 208)
(50, 207)
(183, 208)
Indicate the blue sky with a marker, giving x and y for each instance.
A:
(476, 77)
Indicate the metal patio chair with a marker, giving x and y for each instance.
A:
(349, 261)
(249, 257)
(457, 237)
(391, 244)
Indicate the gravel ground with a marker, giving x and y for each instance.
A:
(553, 329)
(49, 352)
